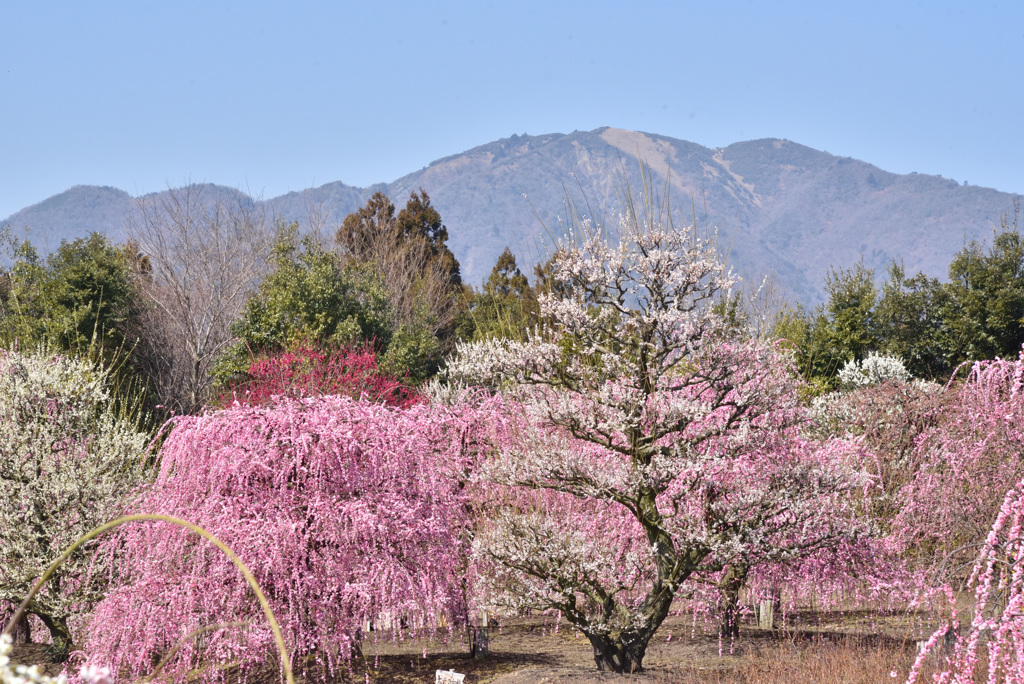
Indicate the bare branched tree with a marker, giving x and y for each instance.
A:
(200, 258)
(318, 217)
(764, 304)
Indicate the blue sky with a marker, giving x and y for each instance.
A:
(273, 97)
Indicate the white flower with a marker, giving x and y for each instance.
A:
(95, 675)
(873, 370)
(68, 457)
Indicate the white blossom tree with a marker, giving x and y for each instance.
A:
(873, 370)
(68, 458)
(643, 447)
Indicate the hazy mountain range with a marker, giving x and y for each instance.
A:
(779, 206)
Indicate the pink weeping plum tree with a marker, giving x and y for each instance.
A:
(347, 512)
(965, 508)
(645, 447)
(993, 648)
(965, 462)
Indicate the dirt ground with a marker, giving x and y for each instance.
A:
(530, 651)
(533, 650)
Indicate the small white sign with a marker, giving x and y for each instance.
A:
(448, 677)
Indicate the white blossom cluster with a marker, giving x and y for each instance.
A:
(437, 391)
(642, 439)
(542, 561)
(652, 292)
(68, 458)
(873, 370)
(837, 412)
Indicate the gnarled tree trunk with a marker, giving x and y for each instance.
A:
(620, 655)
(60, 637)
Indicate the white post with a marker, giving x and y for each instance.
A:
(766, 614)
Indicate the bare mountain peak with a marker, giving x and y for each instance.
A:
(659, 155)
(782, 206)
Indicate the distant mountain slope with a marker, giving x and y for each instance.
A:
(779, 205)
(85, 209)
(71, 214)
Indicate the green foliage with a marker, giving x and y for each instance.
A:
(793, 327)
(375, 233)
(413, 353)
(931, 327)
(840, 330)
(82, 299)
(361, 229)
(848, 330)
(983, 311)
(409, 251)
(909, 322)
(309, 297)
(507, 306)
(794, 330)
(419, 222)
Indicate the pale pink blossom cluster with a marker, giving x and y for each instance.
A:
(965, 462)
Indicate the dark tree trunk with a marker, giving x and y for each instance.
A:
(730, 586)
(60, 638)
(22, 632)
(357, 644)
(623, 652)
(623, 655)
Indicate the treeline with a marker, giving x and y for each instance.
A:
(932, 326)
(204, 287)
(647, 439)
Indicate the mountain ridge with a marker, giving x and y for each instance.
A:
(781, 206)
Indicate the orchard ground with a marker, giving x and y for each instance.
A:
(846, 647)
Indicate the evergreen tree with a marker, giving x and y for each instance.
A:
(507, 305)
(309, 297)
(983, 312)
(840, 330)
(364, 228)
(908, 322)
(419, 222)
(409, 250)
(81, 299)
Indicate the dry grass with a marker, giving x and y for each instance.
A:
(851, 660)
(823, 648)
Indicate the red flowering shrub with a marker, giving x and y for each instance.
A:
(309, 371)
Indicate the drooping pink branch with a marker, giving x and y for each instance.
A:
(347, 512)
